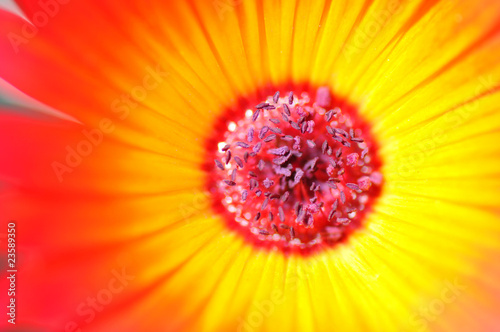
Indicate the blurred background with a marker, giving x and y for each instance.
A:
(10, 5)
(12, 97)
(8, 94)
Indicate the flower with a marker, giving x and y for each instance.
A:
(120, 219)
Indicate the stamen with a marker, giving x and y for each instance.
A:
(250, 135)
(219, 164)
(276, 97)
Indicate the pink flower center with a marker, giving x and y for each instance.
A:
(295, 173)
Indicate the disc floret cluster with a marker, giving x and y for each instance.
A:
(295, 172)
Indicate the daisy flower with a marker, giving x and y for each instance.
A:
(238, 165)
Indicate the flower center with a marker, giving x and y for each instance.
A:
(295, 173)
